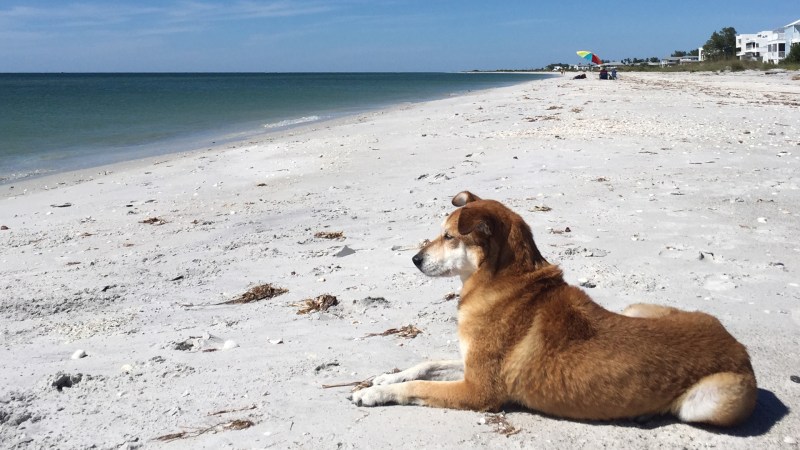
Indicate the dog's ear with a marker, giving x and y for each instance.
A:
(474, 219)
(462, 198)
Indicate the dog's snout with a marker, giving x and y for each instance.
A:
(417, 259)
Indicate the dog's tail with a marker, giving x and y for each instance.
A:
(723, 399)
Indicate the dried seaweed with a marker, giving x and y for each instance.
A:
(239, 424)
(501, 424)
(541, 208)
(320, 303)
(256, 293)
(408, 331)
(338, 235)
(153, 221)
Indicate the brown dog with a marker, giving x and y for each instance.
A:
(529, 338)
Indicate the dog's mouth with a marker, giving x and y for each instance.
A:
(431, 268)
(423, 264)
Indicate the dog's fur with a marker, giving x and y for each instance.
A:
(529, 338)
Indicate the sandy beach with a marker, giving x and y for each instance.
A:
(124, 326)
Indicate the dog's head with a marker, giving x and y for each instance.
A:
(479, 234)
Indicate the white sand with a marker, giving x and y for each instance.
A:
(649, 173)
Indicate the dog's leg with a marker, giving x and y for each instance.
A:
(649, 311)
(441, 394)
(433, 370)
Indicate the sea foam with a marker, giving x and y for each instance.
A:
(290, 122)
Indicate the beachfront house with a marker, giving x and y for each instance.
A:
(675, 60)
(768, 46)
(751, 47)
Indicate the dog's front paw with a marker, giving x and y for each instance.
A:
(389, 378)
(373, 396)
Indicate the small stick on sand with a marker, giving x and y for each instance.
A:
(239, 424)
(226, 411)
(357, 385)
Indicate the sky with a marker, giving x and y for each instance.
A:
(358, 35)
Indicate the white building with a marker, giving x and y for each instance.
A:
(768, 46)
(674, 60)
(752, 47)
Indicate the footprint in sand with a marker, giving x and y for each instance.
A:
(719, 283)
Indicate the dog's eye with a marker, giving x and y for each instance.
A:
(447, 237)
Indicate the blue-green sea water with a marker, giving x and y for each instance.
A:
(58, 122)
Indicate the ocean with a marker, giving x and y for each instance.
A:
(58, 122)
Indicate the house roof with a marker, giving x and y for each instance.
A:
(796, 22)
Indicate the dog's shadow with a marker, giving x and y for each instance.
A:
(769, 411)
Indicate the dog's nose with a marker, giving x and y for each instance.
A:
(417, 259)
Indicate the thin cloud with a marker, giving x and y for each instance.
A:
(84, 15)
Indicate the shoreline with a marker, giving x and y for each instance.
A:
(277, 113)
(51, 180)
(669, 194)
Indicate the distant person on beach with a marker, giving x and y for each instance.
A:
(603, 74)
(579, 77)
(614, 73)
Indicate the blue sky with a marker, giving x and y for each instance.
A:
(357, 35)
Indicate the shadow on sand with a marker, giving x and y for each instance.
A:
(769, 411)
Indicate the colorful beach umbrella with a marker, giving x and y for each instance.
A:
(590, 57)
